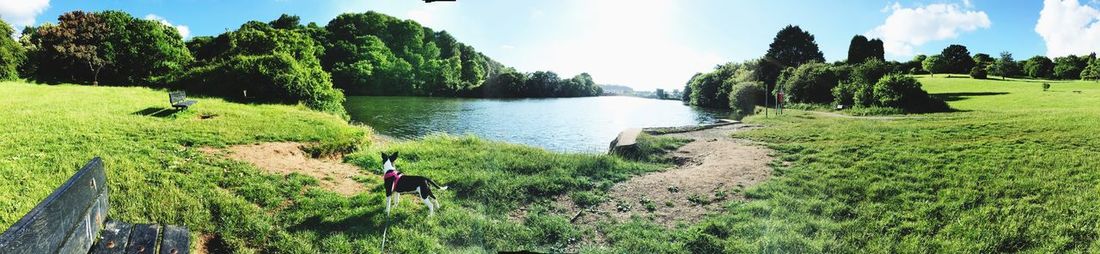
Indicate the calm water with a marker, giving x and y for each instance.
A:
(563, 124)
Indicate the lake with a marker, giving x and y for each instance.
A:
(585, 124)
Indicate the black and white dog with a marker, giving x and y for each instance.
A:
(396, 183)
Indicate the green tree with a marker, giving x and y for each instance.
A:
(791, 47)
(1039, 67)
(1005, 66)
(76, 46)
(12, 54)
(982, 60)
(860, 49)
(109, 46)
(809, 83)
(258, 62)
(934, 64)
(286, 21)
(957, 59)
(1069, 67)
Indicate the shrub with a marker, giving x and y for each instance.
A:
(978, 72)
(11, 54)
(267, 78)
(904, 92)
(809, 83)
(743, 97)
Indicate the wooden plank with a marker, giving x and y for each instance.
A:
(143, 239)
(114, 238)
(47, 227)
(82, 237)
(176, 240)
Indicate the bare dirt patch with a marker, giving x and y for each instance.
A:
(287, 157)
(715, 168)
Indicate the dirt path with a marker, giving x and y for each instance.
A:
(284, 158)
(716, 168)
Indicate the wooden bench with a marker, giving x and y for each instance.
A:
(71, 219)
(179, 100)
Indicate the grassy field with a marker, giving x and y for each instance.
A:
(156, 174)
(1014, 169)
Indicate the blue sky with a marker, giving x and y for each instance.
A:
(651, 44)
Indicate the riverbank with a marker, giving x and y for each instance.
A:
(187, 168)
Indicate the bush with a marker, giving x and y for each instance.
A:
(856, 88)
(743, 97)
(978, 73)
(809, 83)
(904, 92)
(267, 78)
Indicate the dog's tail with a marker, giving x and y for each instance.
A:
(435, 184)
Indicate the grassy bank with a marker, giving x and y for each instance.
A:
(1013, 170)
(156, 174)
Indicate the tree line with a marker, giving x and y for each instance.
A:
(795, 66)
(280, 61)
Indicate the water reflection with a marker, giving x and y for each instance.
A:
(562, 124)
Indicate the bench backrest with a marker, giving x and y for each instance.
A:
(67, 221)
(176, 96)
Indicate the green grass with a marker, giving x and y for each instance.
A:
(156, 174)
(1015, 169)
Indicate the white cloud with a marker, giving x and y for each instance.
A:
(183, 30)
(1069, 28)
(21, 13)
(908, 28)
(507, 47)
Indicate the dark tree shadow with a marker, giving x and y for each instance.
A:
(156, 112)
(963, 96)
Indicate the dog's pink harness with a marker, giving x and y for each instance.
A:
(392, 174)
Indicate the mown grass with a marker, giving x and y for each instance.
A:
(156, 174)
(1015, 170)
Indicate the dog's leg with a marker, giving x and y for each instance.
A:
(428, 202)
(387, 205)
(396, 199)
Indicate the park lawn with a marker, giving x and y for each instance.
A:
(1013, 169)
(156, 174)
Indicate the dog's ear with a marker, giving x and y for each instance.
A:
(384, 156)
(393, 157)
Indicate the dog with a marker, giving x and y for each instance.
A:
(396, 183)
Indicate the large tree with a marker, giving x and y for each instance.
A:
(861, 49)
(791, 47)
(958, 59)
(11, 54)
(108, 46)
(1069, 67)
(1039, 67)
(934, 64)
(983, 60)
(1005, 66)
